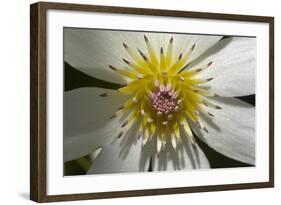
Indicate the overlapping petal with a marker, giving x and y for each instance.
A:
(233, 68)
(91, 50)
(119, 156)
(186, 156)
(87, 123)
(232, 130)
(85, 143)
(87, 111)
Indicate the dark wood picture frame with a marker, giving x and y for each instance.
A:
(38, 95)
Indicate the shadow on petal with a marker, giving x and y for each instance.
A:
(211, 51)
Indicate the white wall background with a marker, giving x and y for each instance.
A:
(14, 101)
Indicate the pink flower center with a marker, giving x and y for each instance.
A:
(165, 99)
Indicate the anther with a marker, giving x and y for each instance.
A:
(184, 67)
(149, 120)
(112, 67)
(120, 108)
(209, 79)
(103, 95)
(170, 117)
(125, 123)
(211, 114)
(205, 129)
(198, 70)
(192, 48)
(157, 83)
(126, 61)
(145, 38)
(140, 76)
(120, 135)
(143, 56)
(171, 40)
(159, 113)
(180, 101)
(168, 87)
(135, 100)
(210, 63)
(205, 103)
(196, 112)
(175, 95)
(180, 56)
(164, 123)
(218, 107)
(139, 134)
(125, 45)
(151, 94)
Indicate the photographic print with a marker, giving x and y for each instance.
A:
(137, 101)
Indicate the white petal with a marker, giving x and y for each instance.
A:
(92, 51)
(232, 130)
(202, 44)
(233, 67)
(87, 123)
(148, 150)
(119, 156)
(85, 143)
(85, 110)
(185, 157)
(183, 42)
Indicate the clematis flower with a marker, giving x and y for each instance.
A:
(171, 90)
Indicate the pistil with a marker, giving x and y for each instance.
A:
(164, 100)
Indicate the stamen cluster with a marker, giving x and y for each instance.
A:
(164, 99)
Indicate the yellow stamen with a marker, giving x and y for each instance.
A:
(167, 95)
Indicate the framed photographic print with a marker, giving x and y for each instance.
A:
(133, 102)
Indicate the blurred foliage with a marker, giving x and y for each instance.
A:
(73, 168)
(74, 79)
(78, 166)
